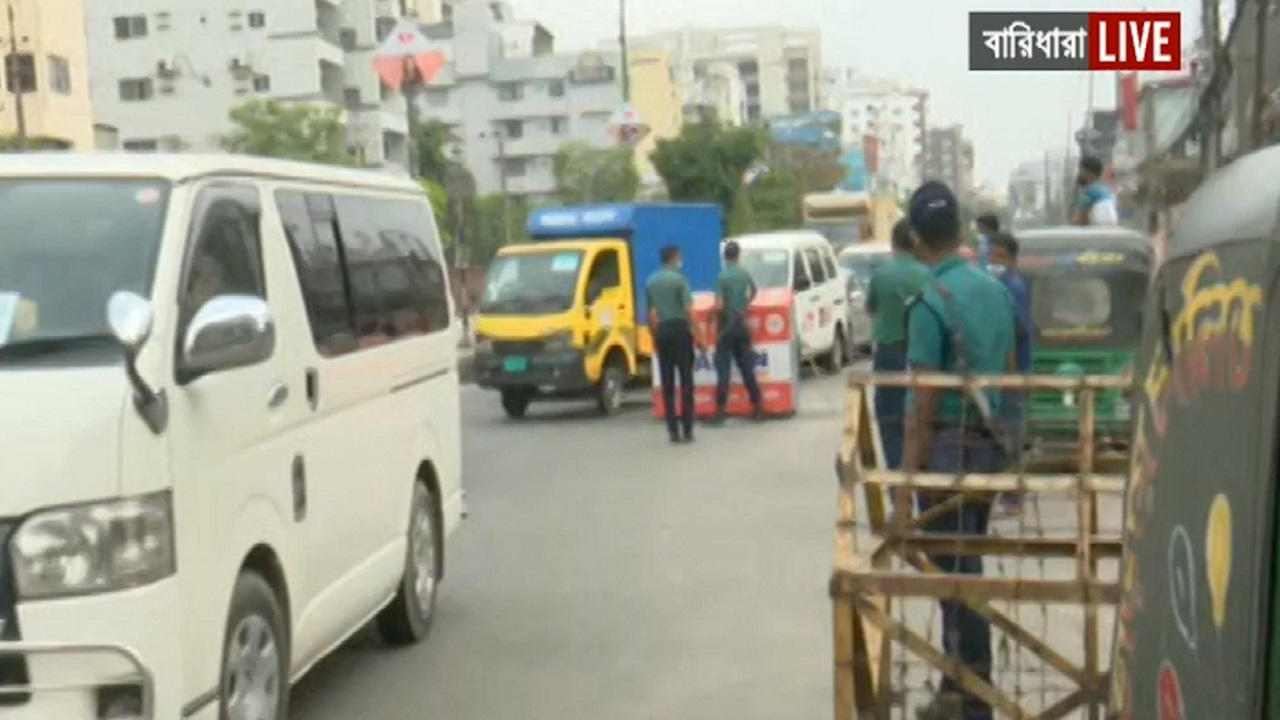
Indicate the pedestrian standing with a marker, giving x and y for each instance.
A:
(1097, 203)
(734, 292)
(674, 331)
(1013, 403)
(988, 226)
(892, 287)
(962, 323)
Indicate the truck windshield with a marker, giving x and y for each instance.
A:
(531, 283)
(67, 246)
(770, 269)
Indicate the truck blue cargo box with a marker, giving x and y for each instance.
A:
(697, 229)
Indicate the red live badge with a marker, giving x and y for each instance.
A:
(1169, 691)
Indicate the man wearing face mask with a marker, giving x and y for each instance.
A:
(1004, 266)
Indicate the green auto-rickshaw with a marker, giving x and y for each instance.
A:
(1087, 287)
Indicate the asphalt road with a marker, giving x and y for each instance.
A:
(605, 574)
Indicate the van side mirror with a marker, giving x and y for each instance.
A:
(801, 284)
(228, 332)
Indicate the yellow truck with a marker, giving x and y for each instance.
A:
(564, 314)
(850, 218)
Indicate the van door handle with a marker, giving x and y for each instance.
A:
(298, 480)
(313, 388)
(278, 395)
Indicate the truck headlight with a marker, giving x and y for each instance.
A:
(558, 343)
(94, 548)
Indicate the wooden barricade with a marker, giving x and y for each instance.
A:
(894, 566)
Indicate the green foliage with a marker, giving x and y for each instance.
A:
(10, 144)
(585, 174)
(432, 140)
(815, 170)
(440, 208)
(776, 199)
(294, 131)
(488, 232)
(706, 163)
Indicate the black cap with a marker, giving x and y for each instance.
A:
(732, 250)
(934, 210)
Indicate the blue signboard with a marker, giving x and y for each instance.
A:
(817, 129)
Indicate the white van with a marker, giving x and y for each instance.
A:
(230, 428)
(802, 261)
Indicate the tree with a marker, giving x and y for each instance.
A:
(816, 170)
(776, 199)
(270, 128)
(440, 208)
(587, 174)
(488, 231)
(433, 139)
(706, 162)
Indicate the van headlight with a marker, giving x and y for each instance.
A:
(94, 548)
(558, 343)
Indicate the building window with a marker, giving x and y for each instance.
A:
(140, 145)
(558, 125)
(130, 26)
(59, 75)
(515, 167)
(136, 89)
(510, 92)
(383, 27)
(257, 20)
(512, 129)
(262, 83)
(20, 72)
(555, 88)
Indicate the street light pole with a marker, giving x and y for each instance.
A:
(15, 85)
(623, 51)
(502, 186)
(1259, 72)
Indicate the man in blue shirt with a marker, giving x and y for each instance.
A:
(1004, 266)
(962, 323)
(1097, 204)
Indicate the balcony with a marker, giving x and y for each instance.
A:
(534, 145)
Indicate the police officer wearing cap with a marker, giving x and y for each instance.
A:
(734, 292)
(671, 323)
(962, 322)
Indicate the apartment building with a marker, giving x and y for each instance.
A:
(512, 104)
(892, 115)
(657, 101)
(778, 67)
(45, 87)
(166, 75)
(949, 158)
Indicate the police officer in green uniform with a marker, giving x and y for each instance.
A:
(674, 333)
(734, 292)
(893, 285)
(963, 322)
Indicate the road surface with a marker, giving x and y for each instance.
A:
(607, 575)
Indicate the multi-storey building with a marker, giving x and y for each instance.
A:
(46, 79)
(656, 99)
(167, 75)
(778, 68)
(893, 116)
(511, 105)
(949, 158)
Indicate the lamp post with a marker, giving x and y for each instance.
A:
(16, 88)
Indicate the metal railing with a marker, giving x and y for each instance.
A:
(138, 675)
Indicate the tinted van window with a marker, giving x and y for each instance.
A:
(394, 267)
(309, 223)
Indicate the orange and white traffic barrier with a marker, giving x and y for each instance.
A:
(777, 367)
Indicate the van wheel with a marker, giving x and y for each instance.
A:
(515, 403)
(255, 656)
(612, 386)
(832, 360)
(408, 618)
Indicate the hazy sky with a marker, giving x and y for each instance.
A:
(1011, 117)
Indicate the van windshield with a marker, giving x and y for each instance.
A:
(66, 247)
(769, 268)
(531, 283)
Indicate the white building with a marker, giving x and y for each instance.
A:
(511, 102)
(893, 114)
(168, 74)
(777, 67)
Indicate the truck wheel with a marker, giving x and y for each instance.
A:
(515, 403)
(612, 386)
(408, 618)
(255, 654)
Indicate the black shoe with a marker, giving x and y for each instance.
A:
(757, 414)
(688, 436)
(674, 437)
(717, 419)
